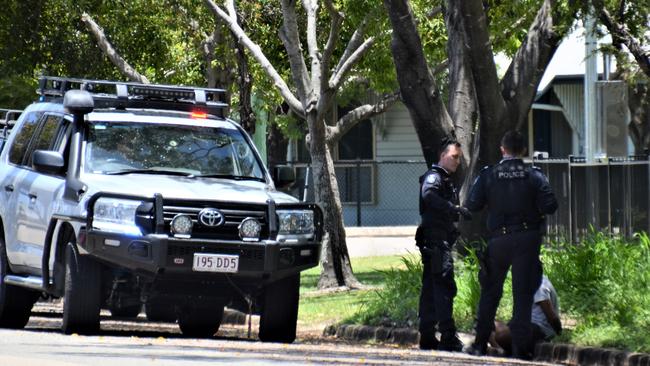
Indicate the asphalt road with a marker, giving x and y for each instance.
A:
(138, 342)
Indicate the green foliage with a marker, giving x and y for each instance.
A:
(16, 91)
(396, 304)
(602, 283)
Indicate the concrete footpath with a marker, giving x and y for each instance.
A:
(374, 241)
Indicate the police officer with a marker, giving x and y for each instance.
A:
(517, 198)
(435, 236)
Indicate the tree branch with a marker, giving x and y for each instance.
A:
(339, 75)
(479, 50)
(462, 98)
(417, 87)
(311, 8)
(437, 69)
(620, 34)
(434, 12)
(345, 123)
(117, 60)
(330, 46)
(291, 40)
(520, 82)
(353, 44)
(257, 53)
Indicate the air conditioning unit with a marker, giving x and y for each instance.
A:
(613, 117)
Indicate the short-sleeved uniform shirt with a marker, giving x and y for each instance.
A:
(546, 291)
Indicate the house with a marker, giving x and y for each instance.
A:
(556, 124)
(378, 163)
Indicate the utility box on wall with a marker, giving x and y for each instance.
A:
(613, 117)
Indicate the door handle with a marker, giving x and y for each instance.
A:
(32, 197)
(9, 188)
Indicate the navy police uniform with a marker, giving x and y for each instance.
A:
(435, 237)
(517, 198)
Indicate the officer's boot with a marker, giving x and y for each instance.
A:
(449, 341)
(428, 342)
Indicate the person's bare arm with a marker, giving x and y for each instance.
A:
(551, 316)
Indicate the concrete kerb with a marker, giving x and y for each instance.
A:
(351, 332)
(573, 355)
(546, 352)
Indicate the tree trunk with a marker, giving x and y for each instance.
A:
(419, 92)
(639, 104)
(463, 109)
(462, 99)
(337, 269)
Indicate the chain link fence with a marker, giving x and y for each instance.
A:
(373, 193)
(610, 195)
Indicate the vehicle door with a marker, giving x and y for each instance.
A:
(12, 170)
(37, 191)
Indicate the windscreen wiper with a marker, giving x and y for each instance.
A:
(148, 171)
(226, 176)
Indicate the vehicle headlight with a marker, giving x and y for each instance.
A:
(116, 215)
(295, 222)
(249, 229)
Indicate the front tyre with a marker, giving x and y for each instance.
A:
(280, 310)
(15, 302)
(82, 297)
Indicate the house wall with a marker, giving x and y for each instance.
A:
(395, 136)
(395, 175)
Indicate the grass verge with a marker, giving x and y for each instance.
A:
(602, 283)
(329, 308)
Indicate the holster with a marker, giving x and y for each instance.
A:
(434, 256)
(425, 235)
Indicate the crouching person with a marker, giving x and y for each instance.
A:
(545, 319)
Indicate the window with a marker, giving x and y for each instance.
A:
(23, 137)
(115, 147)
(356, 182)
(48, 136)
(358, 142)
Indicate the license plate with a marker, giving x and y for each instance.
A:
(215, 263)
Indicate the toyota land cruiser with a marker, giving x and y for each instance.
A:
(117, 195)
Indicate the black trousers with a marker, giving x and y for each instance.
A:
(520, 251)
(438, 289)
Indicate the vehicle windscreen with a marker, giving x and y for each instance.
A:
(125, 148)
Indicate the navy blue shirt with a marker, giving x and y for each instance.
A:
(438, 196)
(514, 194)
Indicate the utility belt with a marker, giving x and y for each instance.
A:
(514, 228)
(428, 237)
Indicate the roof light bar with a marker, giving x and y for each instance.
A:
(119, 94)
(199, 115)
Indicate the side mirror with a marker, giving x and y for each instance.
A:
(285, 176)
(78, 102)
(49, 162)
